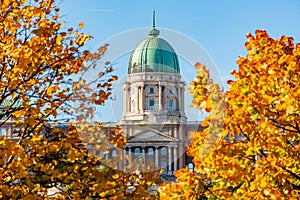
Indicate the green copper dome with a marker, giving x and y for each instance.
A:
(153, 54)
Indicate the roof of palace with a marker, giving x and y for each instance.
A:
(151, 135)
(153, 54)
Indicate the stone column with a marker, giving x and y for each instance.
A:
(182, 96)
(129, 106)
(124, 158)
(180, 100)
(181, 156)
(142, 99)
(129, 154)
(175, 132)
(138, 99)
(10, 131)
(144, 155)
(129, 130)
(159, 97)
(175, 158)
(181, 131)
(170, 159)
(156, 156)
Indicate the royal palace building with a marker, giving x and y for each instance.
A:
(154, 120)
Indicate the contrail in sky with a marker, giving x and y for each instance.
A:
(98, 10)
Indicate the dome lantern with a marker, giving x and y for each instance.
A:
(153, 32)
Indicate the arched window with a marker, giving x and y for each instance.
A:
(150, 151)
(164, 151)
(163, 165)
(171, 105)
(102, 154)
(137, 151)
(3, 132)
(114, 153)
(191, 166)
(151, 104)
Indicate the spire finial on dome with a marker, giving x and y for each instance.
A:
(153, 19)
(153, 32)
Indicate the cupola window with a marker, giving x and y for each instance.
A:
(151, 90)
(151, 104)
(171, 105)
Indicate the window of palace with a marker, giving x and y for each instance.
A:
(191, 166)
(101, 153)
(163, 165)
(164, 151)
(171, 105)
(16, 132)
(170, 91)
(3, 132)
(97, 152)
(137, 151)
(151, 104)
(150, 151)
(151, 90)
(114, 153)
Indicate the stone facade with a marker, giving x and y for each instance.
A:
(154, 120)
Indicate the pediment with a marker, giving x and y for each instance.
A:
(151, 135)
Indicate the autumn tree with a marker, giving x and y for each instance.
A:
(209, 97)
(257, 152)
(42, 68)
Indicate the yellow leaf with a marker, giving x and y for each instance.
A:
(51, 89)
(59, 39)
(36, 137)
(81, 25)
(116, 176)
(263, 184)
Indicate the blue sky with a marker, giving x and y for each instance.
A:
(219, 27)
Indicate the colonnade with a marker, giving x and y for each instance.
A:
(171, 156)
(141, 97)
